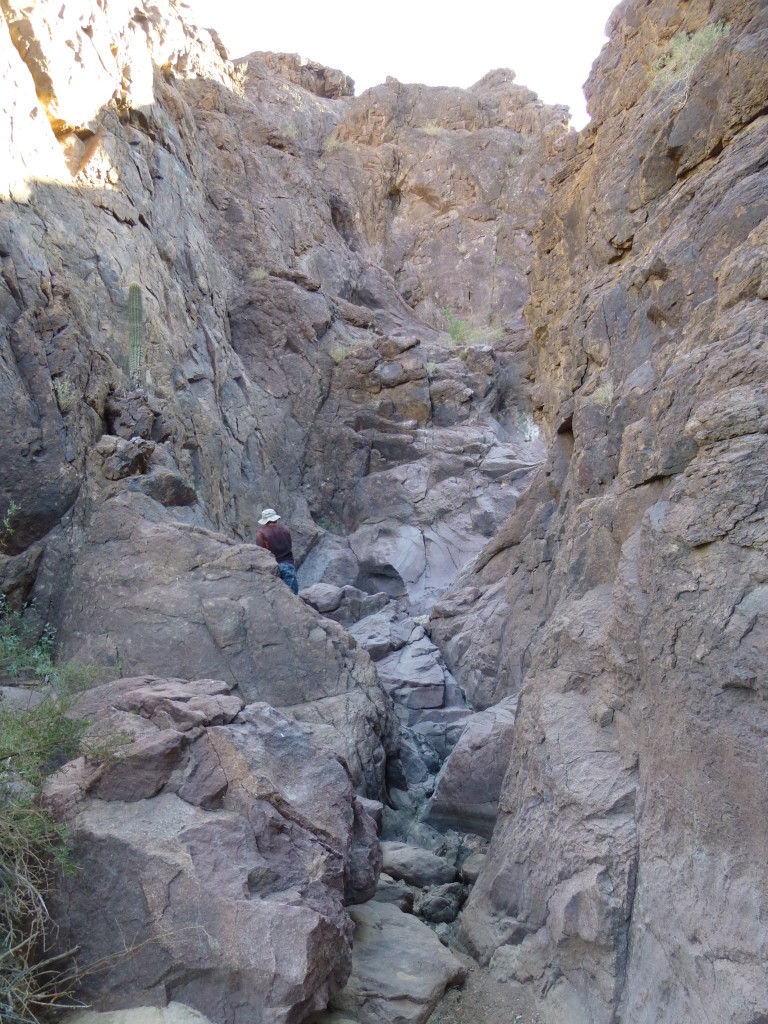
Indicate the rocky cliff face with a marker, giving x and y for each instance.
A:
(633, 570)
(332, 296)
(219, 292)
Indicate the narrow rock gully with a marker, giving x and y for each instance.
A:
(442, 789)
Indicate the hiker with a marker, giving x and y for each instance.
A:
(277, 539)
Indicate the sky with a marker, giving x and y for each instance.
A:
(550, 44)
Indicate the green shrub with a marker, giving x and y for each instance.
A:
(338, 353)
(456, 328)
(331, 144)
(685, 51)
(6, 526)
(33, 846)
(65, 392)
(467, 334)
(330, 524)
(18, 653)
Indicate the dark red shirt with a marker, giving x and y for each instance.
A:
(277, 539)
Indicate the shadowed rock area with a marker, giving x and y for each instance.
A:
(506, 384)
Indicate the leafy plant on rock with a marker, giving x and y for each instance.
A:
(6, 526)
(33, 742)
(676, 66)
(65, 392)
(467, 335)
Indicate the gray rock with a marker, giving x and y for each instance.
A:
(440, 905)
(20, 698)
(388, 890)
(472, 866)
(399, 968)
(174, 1013)
(360, 728)
(243, 814)
(469, 784)
(343, 604)
(415, 866)
(384, 632)
(414, 675)
(324, 597)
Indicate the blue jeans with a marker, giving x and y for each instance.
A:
(287, 572)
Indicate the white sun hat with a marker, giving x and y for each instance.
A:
(268, 516)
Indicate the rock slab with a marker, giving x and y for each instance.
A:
(399, 968)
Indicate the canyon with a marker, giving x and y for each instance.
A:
(506, 384)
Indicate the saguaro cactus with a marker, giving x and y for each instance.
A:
(135, 329)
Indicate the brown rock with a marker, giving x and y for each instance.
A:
(612, 603)
(239, 849)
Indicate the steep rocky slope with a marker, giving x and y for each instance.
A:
(625, 599)
(219, 293)
(332, 324)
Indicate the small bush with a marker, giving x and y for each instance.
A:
(33, 743)
(431, 128)
(65, 392)
(331, 144)
(6, 526)
(467, 335)
(603, 395)
(18, 654)
(686, 50)
(330, 524)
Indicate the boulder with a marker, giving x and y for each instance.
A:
(469, 784)
(441, 904)
(383, 632)
(174, 1013)
(360, 728)
(241, 828)
(388, 890)
(343, 604)
(472, 866)
(202, 606)
(414, 675)
(399, 968)
(415, 866)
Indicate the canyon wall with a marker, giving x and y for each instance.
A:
(625, 599)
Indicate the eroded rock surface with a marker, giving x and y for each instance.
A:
(624, 598)
(332, 291)
(399, 970)
(174, 1013)
(215, 850)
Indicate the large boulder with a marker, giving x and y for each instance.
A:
(215, 850)
(399, 968)
(468, 787)
(416, 866)
(153, 593)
